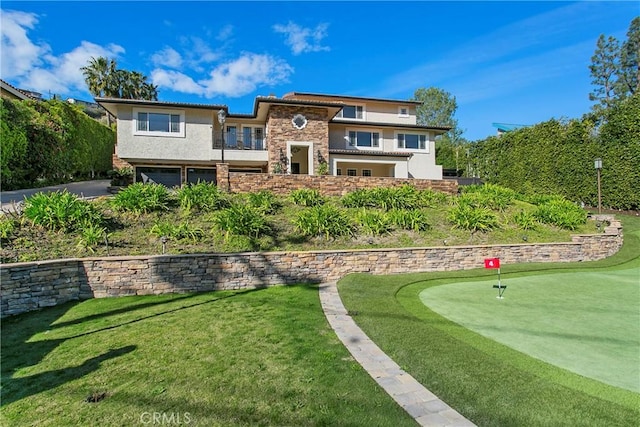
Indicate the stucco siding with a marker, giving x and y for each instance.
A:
(194, 146)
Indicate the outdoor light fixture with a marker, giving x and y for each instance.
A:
(598, 165)
(164, 239)
(222, 116)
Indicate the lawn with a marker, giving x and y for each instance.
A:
(587, 322)
(262, 357)
(488, 382)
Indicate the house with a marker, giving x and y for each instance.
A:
(301, 133)
(8, 91)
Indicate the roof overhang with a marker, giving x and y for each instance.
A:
(111, 104)
(370, 153)
(353, 98)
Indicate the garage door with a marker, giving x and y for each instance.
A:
(169, 177)
(195, 175)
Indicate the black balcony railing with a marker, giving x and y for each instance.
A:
(240, 143)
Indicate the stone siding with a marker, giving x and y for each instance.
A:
(281, 131)
(329, 185)
(30, 286)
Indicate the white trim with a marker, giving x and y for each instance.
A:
(136, 132)
(362, 147)
(364, 112)
(309, 146)
(421, 150)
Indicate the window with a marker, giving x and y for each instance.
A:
(403, 112)
(231, 139)
(158, 123)
(352, 172)
(366, 172)
(352, 112)
(338, 171)
(412, 141)
(364, 139)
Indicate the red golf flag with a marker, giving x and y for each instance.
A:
(492, 263)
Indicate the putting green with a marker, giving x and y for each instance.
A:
(587, 322)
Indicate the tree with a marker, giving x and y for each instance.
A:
(615, 68)
(604, 68)
(101, 77)
(629, 76)
(438, 109)
(104, 79)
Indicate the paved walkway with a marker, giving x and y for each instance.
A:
(420, 403)
(86, 189)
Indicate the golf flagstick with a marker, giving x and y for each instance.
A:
(495, 263)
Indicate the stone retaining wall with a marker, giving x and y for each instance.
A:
(328, 184)
(30, 286)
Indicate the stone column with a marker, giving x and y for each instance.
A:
(222, 176)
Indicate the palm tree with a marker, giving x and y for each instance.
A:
(100, 76)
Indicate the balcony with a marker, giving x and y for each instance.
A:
(248, 141)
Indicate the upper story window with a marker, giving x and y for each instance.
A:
(363, 139)
(158, 122)
(352, 112)
(403, 111)
(412, 141)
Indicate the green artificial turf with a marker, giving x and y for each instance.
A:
(489, 382)
(260, 357)
(587, 322)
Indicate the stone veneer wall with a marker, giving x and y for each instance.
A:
(328, 184)
(30, 286)
(281, 131)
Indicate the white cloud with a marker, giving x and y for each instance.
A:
(233, 79)
(302, 40)
(33, 65)
(175, 81)
(62, 74)
(19, 54)
(168, 57)
(225, 33)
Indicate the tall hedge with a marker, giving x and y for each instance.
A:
(558, 157)
(48, 142)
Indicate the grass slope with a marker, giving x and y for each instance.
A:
(263, 357)
(487, 382)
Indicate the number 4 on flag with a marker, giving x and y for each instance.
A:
(492, 263)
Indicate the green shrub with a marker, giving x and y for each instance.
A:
(242, 220)
(91, 235)
(324, 220)
(203, 196)
(7, 228)
(265, 201)
(362, 198)
(526, 220)
(307, 197)
(181, 231)
(415, 220)
(60, 210)
(561, 213)
(141, 198)
(488, 196)
(404, 197)
(430, 198)
(473, 219)
(374, 222)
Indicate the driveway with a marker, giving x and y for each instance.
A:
(88, 189)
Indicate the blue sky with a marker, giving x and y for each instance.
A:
(508, 62)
